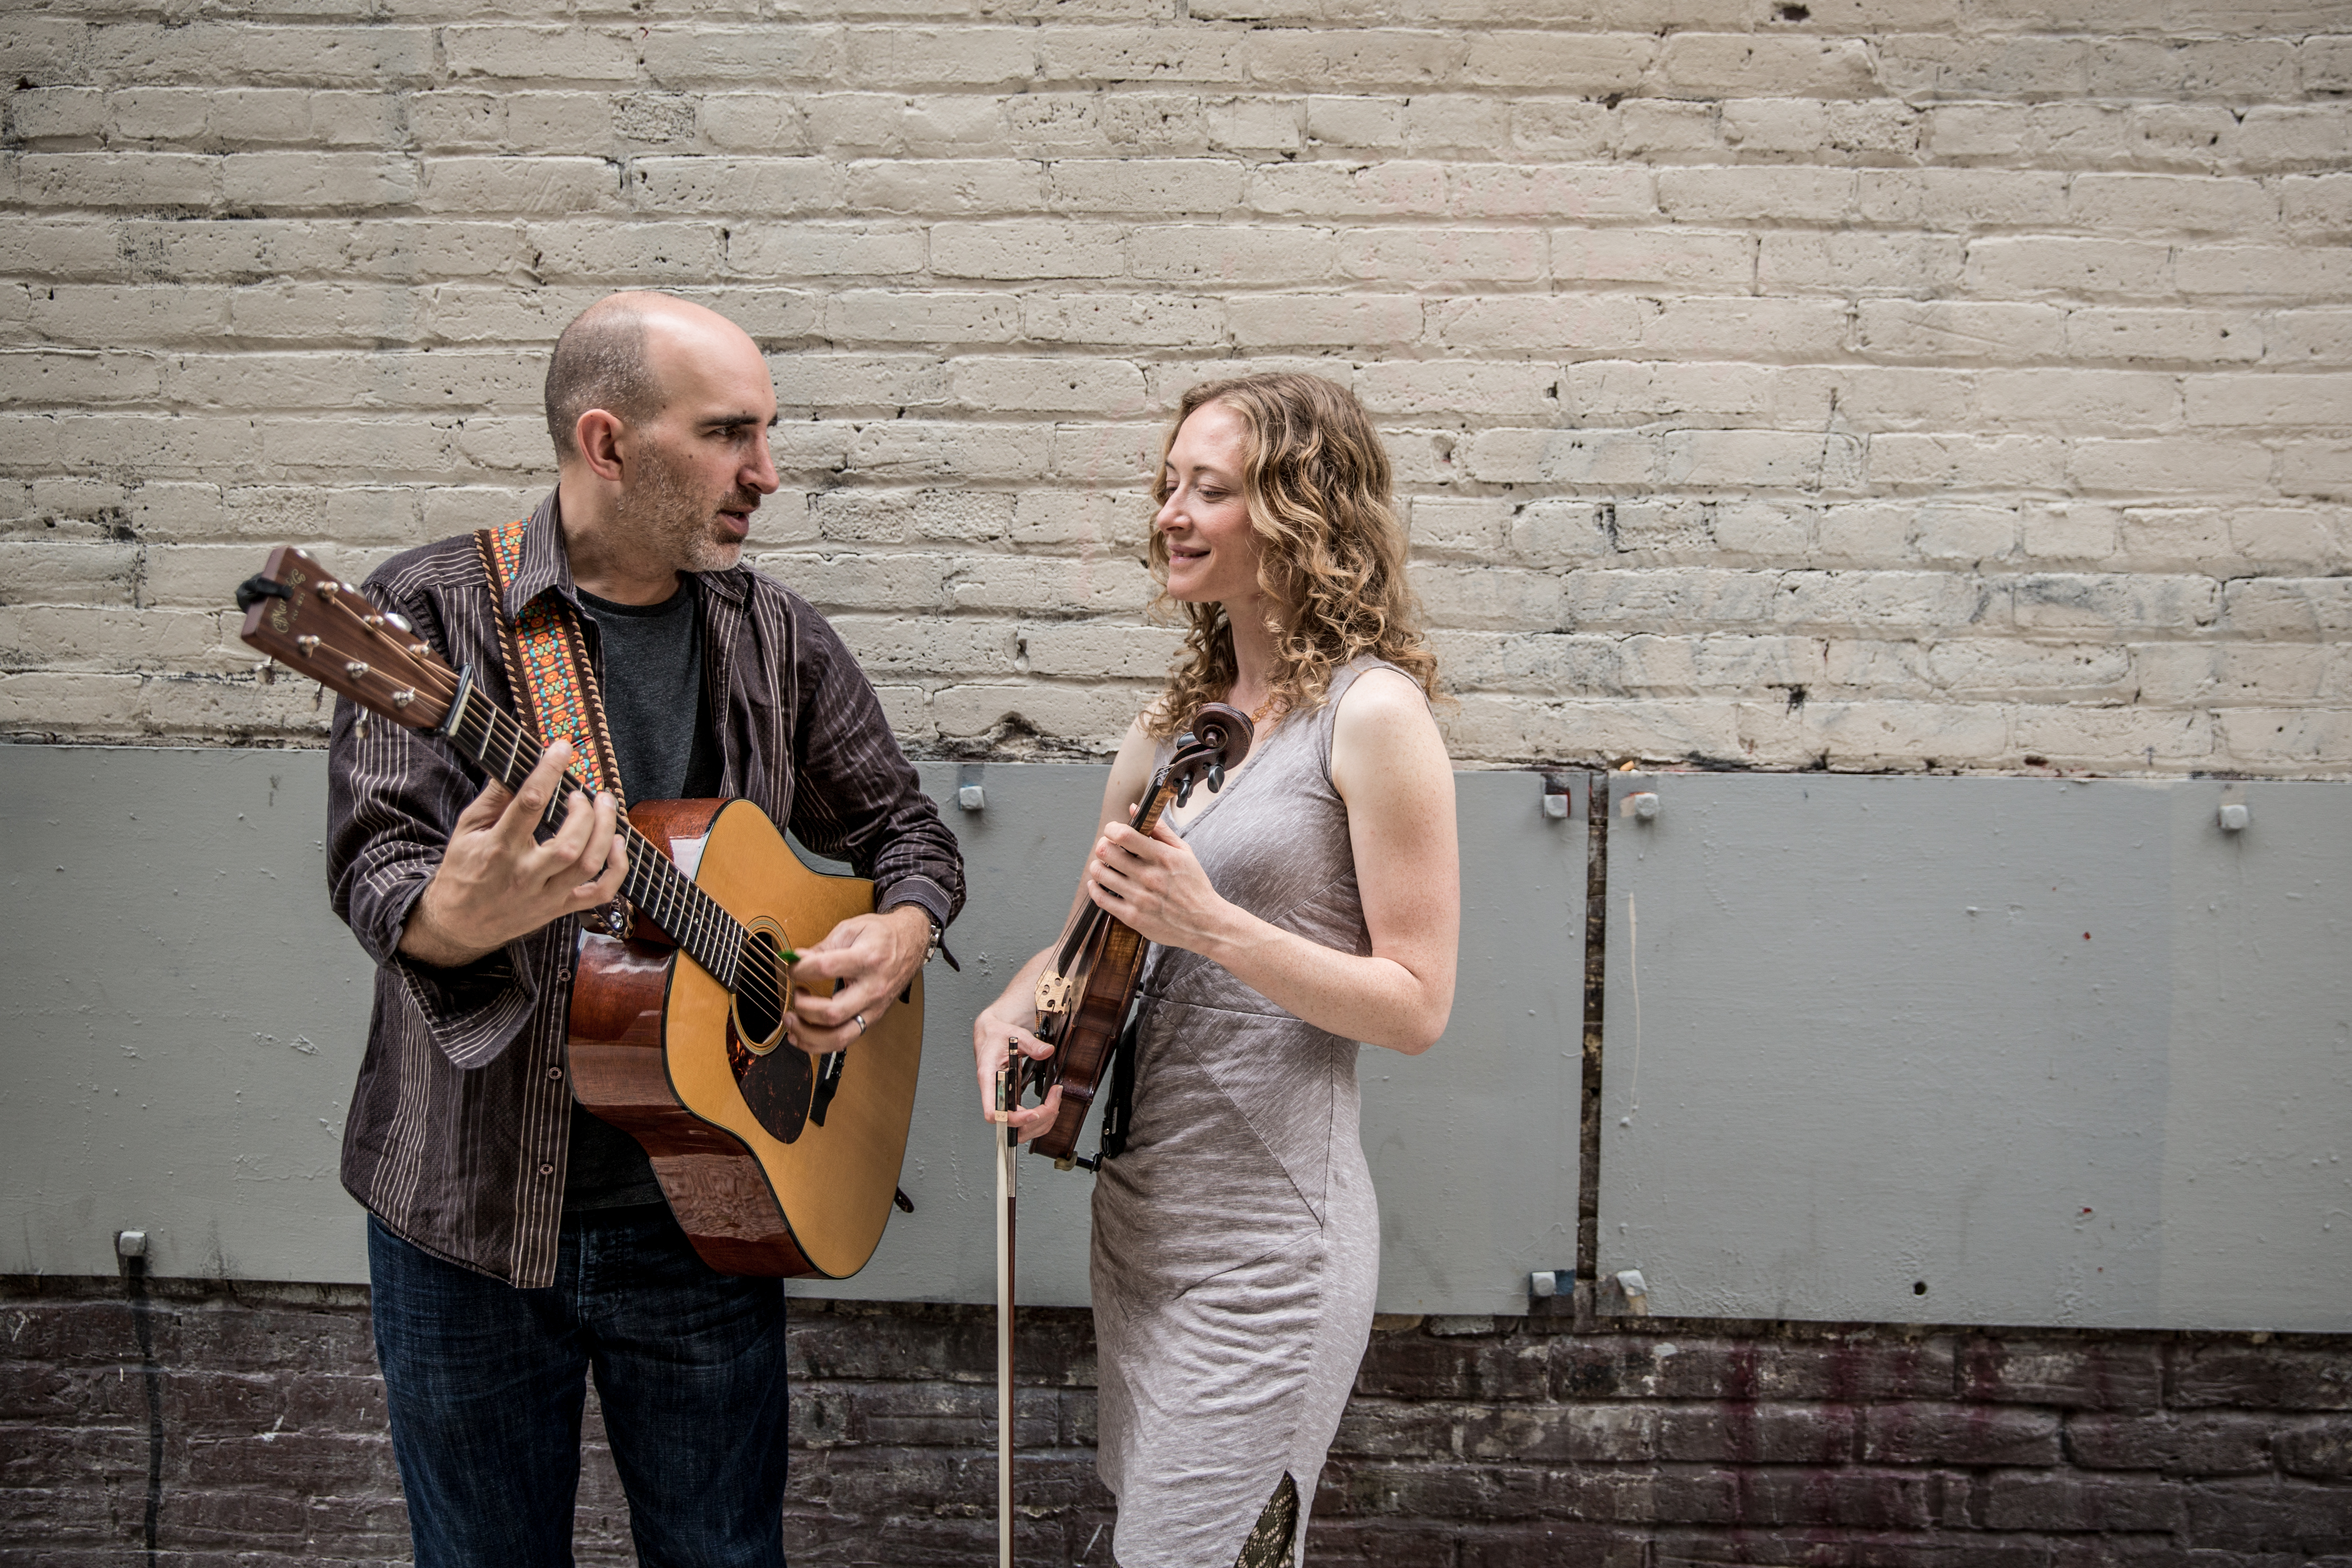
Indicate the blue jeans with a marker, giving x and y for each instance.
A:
(487, 1382)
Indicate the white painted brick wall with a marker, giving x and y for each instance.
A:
(1897, 383)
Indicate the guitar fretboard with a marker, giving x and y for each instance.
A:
(691, 918)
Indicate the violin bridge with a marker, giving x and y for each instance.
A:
(1053, 993)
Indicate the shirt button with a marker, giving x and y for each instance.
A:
(547, 1170)
(555, 1072)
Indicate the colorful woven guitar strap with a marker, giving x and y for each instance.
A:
(547, 665)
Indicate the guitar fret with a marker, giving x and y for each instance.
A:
(671, 903)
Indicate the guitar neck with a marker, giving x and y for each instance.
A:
(500, 743)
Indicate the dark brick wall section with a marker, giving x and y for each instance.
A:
(1472, 1443)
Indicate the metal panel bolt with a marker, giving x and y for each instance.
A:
(1546, 1282)
(972, 797)
(1636, 1291)
(2235, 817)
(130, 1243)
(1559, 795)
(1644, 805)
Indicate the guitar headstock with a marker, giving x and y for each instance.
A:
(298, 614)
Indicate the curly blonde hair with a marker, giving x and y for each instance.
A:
(1331, 552)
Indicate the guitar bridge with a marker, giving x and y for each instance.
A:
(1053, 993)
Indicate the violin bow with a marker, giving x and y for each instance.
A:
(1008, 1151)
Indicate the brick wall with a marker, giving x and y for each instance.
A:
(1963, 383)
(1956, 383)
(1470, 1443)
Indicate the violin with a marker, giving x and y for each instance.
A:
(1083, 994)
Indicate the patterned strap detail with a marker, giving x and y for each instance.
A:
(547, 664)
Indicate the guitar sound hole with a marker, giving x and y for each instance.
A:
(759, 1007)
(776, 1080)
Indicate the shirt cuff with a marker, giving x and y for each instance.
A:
(917, 889)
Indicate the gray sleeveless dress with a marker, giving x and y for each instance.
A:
(1237, 1243)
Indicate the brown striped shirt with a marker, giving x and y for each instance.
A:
(459, 1127)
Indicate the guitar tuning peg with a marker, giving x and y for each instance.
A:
(268, 671)
(360, 724)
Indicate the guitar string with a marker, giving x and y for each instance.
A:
(701, 925)
(653, 879)
(704, 928)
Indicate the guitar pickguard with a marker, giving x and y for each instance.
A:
(777, 1087)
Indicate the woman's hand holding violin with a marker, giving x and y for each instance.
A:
(1155, 885)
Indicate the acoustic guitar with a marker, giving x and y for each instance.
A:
(775, 1162)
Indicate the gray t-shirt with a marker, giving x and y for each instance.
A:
(663, 740)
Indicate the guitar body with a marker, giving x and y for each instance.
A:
(770, 1171)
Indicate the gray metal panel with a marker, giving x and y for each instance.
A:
(183, 1016)
(2257, 1196)
(1982, 1035)
(197, 1093)
(1473, 1144)
(1021, 855)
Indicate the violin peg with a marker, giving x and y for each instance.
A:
(1216, 777)
(1184, 791)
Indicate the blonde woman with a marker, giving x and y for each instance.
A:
(1311, 904)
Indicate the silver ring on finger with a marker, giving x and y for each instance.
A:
(860, 1020)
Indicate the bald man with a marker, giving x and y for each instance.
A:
(515, 1242)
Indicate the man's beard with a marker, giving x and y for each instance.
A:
(676, 524)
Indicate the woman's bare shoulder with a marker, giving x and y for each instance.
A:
(1382, 699)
